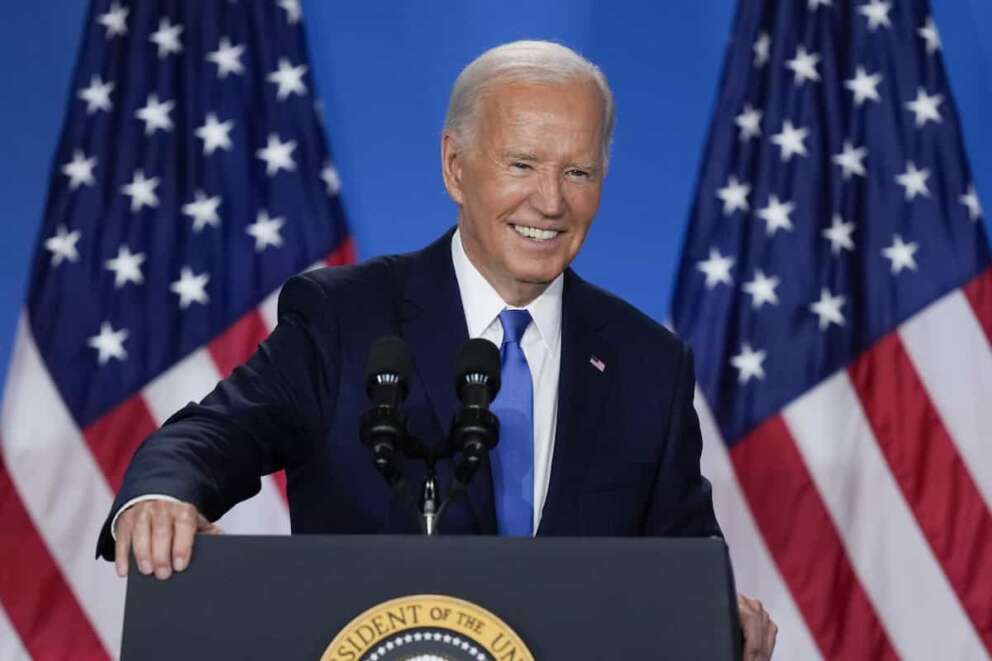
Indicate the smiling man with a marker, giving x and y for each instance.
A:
(598, 433)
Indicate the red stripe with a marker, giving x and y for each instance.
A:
(115, 436)
(39, 603)
(806, 546)
(933, 477)
(979, 294)
(236, 344)
(345, 253)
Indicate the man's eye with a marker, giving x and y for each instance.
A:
(520, 165)
(582, 174)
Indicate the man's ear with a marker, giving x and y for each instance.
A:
(452, 164)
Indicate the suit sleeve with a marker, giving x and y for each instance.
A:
(682, 502)
(267, 415)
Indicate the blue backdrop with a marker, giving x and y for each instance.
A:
(383, 71)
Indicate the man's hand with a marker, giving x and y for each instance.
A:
(759, 630)
(161, 533)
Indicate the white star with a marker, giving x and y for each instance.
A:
(79, 170)
(839, 235)
(734, 195)
(925, 107)
(791, 140)
(109, 343)
(914, 181)
(930, 35)
(190, 288)
(114, 20)
(155, 114)
(203, 210)
(828, 309)
(716, 268)
(167, 38)
(227, 57)
(215, 134)
(970, 200)
(63, 245)
(277, 155)
(877, 13)
(97, 95)
(141, 191)
(288, 78)
(292, 8)
(803, 65)
(331, 179)
(749, 122)
(864, 86)
(265, 230)
(900, 254)
(813, 5)
(761, 47)
(851, 160)
(762, 289)
(748, 364)
(776, 214)
(126, 267)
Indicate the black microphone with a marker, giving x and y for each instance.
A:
(383, 427)
(475, 430)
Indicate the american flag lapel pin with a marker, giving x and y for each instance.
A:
(597, 363)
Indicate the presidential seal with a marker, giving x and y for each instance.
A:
(427, 627)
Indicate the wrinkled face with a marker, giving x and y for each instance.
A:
(529, 184)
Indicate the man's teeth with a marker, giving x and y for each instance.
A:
(535, 233)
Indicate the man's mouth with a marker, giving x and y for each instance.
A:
(535, 233)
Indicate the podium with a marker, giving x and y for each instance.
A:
(397, 597)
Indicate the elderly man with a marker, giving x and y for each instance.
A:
(599, 435)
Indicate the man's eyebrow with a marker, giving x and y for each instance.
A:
(519, 156)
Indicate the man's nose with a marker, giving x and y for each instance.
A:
(549, 196)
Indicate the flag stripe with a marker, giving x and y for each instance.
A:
(39, 604)
(806, 546)
(236, 344)
(979, 295)
(879, 532)
(932, 475)
(344, 253)
(114, 437)
(60, 485)
(951, 355)
(755, 571)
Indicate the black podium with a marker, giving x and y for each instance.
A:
(565, 598)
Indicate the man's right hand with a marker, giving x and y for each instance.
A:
(161, 534)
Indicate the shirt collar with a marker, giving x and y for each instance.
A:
(483, 304)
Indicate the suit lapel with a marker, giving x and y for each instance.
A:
(584, 385)
(433, 323)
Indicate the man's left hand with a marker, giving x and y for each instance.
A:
(759, 630)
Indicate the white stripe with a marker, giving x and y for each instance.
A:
(10, 643)
(948, 348)
(269, 309)
(191, 379)
(63, 489)
(754, 569)
(889, 554)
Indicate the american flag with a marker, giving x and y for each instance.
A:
(835, 287)
(192, 178)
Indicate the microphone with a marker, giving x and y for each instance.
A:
(475, 430)
(383, 428)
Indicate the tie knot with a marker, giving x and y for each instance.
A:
(515, 322)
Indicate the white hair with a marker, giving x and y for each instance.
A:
(537, 62)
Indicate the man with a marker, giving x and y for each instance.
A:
(599, 436)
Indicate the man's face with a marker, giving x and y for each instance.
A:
(529, 185)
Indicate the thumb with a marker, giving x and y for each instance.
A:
(207, 527)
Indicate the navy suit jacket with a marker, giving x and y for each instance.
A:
(626, 453)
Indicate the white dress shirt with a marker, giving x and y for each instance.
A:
(541, 344)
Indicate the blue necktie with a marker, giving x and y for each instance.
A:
(513, 460)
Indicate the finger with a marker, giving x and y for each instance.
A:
(182, 540)
(771, 634)
(162, 540)
(141, 542)
(205, 526)
(122, 544)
